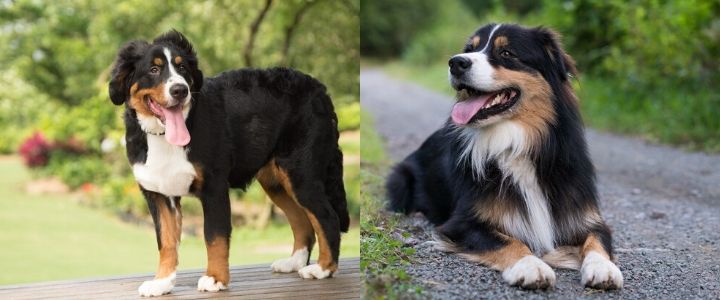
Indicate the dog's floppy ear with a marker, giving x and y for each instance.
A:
(123, 68)
(178, 40)
(561, 61)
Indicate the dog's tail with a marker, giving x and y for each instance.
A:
(336, 190)
(565, 257)
(400, 186)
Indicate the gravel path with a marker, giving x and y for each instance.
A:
(662, 203)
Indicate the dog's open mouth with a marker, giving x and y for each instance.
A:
(176, 132)
(476, 105)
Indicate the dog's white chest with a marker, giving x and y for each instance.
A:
(166, 169)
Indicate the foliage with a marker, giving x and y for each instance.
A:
(348, 117)
(35, 151)
(389, 26)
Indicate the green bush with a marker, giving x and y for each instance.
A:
(76, 170)
(348, 116)
(389, 26)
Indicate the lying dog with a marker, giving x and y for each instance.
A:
(508, 179)
(189, 135)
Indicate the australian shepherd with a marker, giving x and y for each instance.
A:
(189, 135)
(508, 180)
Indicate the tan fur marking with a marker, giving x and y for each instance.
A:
(502, 258)
(158, 61)
(534, 110)
(501, 41)
(276, 184)
(218, 254)
(475, 41)
(199, 180)
(492, 211)
(325, 259)
(137, 98)
(178, 60)
(169, 237)
(592, 243)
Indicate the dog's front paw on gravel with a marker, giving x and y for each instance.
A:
(600, 273)
(530, 273)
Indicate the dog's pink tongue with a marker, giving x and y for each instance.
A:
(176, 132)
(463, 111)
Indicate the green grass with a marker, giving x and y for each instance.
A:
(686, 116)
(51, 237)
(383, 258)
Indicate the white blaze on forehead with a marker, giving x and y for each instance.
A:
(492, 32)
(174, 78)
(481, 74)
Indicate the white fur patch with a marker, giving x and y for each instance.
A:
(291, 264)
(599, 272)
(530, 272)
(481, 75)
(157, 287)
(314, 271)
(166, 169)
(174, 78)
(208, 284)
(506, 143)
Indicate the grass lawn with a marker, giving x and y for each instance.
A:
(51, 237)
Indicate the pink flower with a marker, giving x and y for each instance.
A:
(35, 150)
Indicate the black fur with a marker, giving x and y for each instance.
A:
(435, 181)
(239, 121)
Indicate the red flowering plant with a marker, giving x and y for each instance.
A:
(35, 150)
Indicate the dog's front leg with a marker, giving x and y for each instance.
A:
(216, 211)
(598, 271)
(167, 217)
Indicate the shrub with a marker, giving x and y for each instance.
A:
(35, 151)
(389, 26)
(349, 116)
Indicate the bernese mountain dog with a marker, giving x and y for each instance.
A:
(189, 135)
(508, 180)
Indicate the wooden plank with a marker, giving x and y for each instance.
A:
(247, 282)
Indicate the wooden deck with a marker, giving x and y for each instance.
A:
(247, 282)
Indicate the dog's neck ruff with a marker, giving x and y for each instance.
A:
(506, 143)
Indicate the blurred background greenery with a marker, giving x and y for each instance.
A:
(74, 209)
(648, 68)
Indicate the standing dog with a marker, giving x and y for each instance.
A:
(508, 179)
(189, 135)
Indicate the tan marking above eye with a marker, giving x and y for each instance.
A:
(501, 41)
(475, 41)
(178, 60)
(158, 61)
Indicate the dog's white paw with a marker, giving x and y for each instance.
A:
(530, 273)
(292, 263)
(157, 287)
(208, 284)
(314, 271)
(600, 273)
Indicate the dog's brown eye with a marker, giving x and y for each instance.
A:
(155, 70)
(506, 54)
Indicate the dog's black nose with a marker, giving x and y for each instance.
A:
(179, 91)
(459, 65)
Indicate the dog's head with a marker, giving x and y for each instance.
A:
(158, 81)
(508, 72)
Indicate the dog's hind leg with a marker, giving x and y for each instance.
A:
(217, 227)
(167, 217)
(277, 185)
